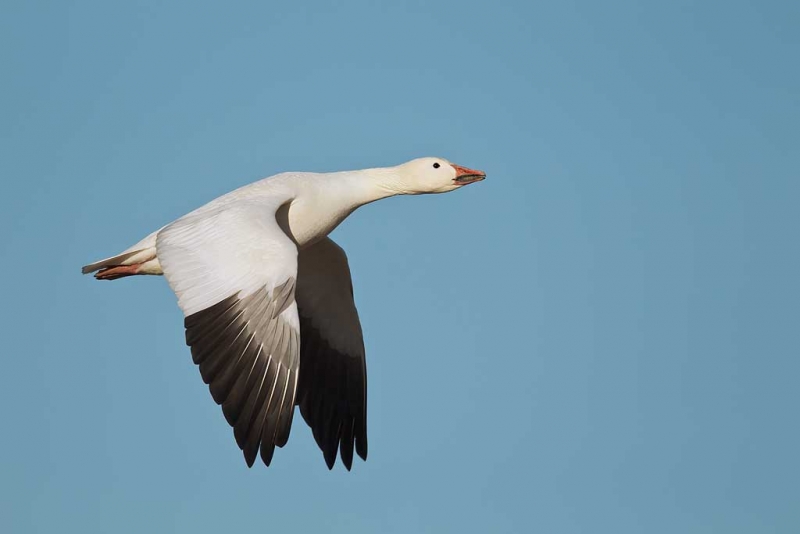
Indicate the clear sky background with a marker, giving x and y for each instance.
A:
(601, 337)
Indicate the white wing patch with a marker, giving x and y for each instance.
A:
(238, 248)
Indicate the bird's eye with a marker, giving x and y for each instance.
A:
(436, 165)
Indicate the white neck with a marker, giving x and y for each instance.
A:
(357, 188)
(334, 196)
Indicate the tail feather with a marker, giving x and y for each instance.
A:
(126, 258)
(141, 252)
(141, 258)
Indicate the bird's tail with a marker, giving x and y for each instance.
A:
(139, 259)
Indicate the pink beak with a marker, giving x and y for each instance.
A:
(467, 176)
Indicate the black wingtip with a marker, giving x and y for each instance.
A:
(267, 451)
(240, 437)
(361, 447)
(330, 459)
(346, 446)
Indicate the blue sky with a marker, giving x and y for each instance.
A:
(601, 337)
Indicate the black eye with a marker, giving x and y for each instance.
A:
(435, 165)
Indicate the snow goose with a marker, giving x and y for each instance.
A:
(268, 300)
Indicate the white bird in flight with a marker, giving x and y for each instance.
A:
(268, 300)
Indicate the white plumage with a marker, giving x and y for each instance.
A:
(268, 300)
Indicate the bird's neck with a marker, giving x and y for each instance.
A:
(358, 188)
(334, 196)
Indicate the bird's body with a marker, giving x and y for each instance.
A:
(268, 300)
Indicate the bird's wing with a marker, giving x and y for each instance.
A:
(234, 270)
(332, 392)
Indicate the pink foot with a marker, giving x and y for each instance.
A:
(120, 271)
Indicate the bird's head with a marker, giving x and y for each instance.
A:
(434, 175)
